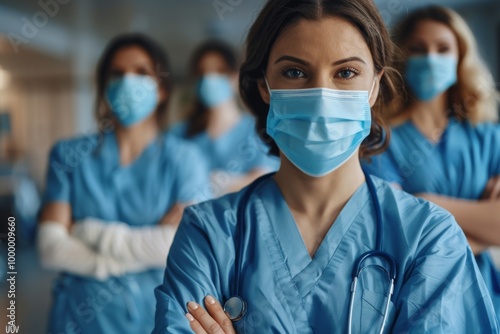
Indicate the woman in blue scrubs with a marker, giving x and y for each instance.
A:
(224, 134)
(316, 77)
(113, 199)
(443, 148)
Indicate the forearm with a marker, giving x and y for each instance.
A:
(480, 220)
(58, 250)
(476, 246)
(147, 245)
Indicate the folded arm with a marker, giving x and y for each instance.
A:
(59, 250)
(480, 220)
(148, 245)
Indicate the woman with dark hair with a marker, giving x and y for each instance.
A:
(114, 199)
(227, 137)
(320, 247)
(445, 143)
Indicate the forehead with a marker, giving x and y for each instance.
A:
(329, 37)
(131, 55)
(429, 29)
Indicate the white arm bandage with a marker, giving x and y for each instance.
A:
(148, 245)
(58, 250)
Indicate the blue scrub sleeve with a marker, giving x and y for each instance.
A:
(57, 187)
(384, 167)
(192, 183)
(191, 274)
(444, 292)
(493, 148)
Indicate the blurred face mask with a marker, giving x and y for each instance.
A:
(319, 129)
(214, 89)
(132, 98)
(430, 75)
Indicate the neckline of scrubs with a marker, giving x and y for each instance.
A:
(416, 130)
(228, 133)
(286, 229)
(146, 152)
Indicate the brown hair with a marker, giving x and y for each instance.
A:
(278, 14)
(474, 96)
(161, 68)
(197, 121)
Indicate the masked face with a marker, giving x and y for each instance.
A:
(132, 98)
(432, 65)
(132, 91)
(321, 94)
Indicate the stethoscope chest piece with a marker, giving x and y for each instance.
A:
(235, 308)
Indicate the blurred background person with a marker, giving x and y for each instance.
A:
(113, 199)
(216, 124)
(444, 145)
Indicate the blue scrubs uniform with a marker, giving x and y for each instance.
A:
(438, 286)
(86, 173)
(238, 151)
(459, 166)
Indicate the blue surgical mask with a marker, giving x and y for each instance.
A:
(214, 89)
(132, 98)
(430, 75)
(318, 129)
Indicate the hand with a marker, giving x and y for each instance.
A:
(213, 322)
(492, 190)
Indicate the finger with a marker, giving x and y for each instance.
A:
(218, 314)
(195, 325)
(205, 320)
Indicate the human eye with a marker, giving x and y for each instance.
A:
(347, 73)
(417, 49)
(293, 73)
(444, 49)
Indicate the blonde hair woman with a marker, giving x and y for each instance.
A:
(444, 146)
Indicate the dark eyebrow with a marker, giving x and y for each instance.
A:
(346, 60)
(290, 58)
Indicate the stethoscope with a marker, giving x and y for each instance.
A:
(235, 307)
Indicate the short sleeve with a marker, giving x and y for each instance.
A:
(383, 166)
(443, 291)
(192, 273)
(192, 180)
(57, 186)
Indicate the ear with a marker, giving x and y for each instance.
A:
(376, 88)
(163, 95)
(264, 91)
(234, 78)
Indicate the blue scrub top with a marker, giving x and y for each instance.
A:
(86, 173)
(238, 151)
(458, 166)
(438, 286)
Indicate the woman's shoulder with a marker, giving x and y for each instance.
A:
(221, 213)
(77, 147)
(417, 219)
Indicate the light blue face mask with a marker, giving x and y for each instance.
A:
(430, 75)
(318, 129)
(132, 98)
(214, 89)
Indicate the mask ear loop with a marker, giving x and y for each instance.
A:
(373, 87)
(267, 83)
